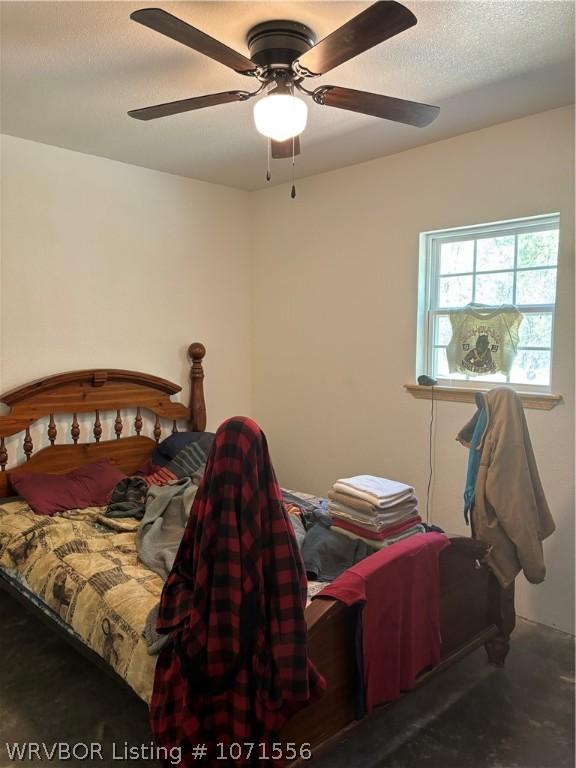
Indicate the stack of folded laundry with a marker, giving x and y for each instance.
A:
(374, 509)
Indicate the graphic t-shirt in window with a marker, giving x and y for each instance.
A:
(484, 339)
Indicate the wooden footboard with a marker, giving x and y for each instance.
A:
(474, 610)
(331, 633)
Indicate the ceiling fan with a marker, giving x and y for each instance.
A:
(283, 55)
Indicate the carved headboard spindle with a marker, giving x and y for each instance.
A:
(118, 425)
(28, 444)
(97, 427)
(3, 455)
(174, 427)
(157, 429)
(138, 421)
(75, 429)
(52, 431)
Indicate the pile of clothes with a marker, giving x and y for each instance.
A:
(375, 510)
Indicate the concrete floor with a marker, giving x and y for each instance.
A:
(472, 716)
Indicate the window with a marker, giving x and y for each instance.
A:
(509, 262)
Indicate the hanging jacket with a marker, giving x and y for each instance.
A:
(510, 511)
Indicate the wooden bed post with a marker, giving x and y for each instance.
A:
(197, 405)
(504, 616)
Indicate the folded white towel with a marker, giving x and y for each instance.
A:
(347, 501)
(379, 491)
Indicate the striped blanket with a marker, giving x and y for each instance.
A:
(128, 499)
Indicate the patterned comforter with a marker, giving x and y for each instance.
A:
(84, 568)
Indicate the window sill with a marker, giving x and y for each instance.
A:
(540, 401)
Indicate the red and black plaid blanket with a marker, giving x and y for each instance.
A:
(238, 666)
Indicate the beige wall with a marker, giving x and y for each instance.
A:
(107, 264)
(335, 284)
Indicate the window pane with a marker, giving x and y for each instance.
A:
(495, 253)
(456, 257)
(538, 249)
(501, 377)
(454, 291)
(515, 263)
(440, 363)
(531, 367)
(442, 330)
(536, 287)
(536, 330)
(494, 288)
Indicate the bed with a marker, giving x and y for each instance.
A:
(96, 594)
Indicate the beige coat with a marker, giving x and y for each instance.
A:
(510, 511)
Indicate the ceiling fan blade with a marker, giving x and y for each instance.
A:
(178, 30)
(374, 25)
(186, 105)
(377, 105)
(282, 149)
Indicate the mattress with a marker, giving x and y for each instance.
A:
(82, 568)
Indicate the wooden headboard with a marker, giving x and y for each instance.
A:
(98, 391)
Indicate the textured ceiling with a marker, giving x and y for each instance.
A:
(71, 70)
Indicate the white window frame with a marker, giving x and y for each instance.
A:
(428, 281)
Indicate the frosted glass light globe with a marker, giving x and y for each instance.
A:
(280, 116)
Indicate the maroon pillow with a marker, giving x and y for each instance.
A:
(88, 486)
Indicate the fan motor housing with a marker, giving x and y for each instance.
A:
(276, 44)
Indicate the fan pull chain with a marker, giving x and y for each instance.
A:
(293, 190)
(268, 173)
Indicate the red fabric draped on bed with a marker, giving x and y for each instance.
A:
(399, 587)
(234, 602)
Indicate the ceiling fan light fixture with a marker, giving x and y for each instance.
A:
(280, 116)
(284, 53)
